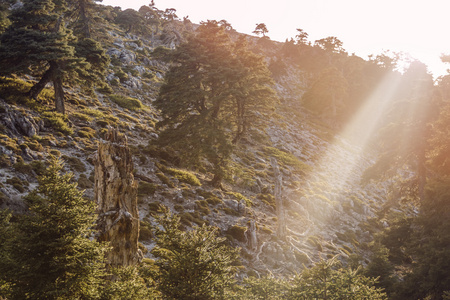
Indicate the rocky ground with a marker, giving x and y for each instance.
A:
(328, 211)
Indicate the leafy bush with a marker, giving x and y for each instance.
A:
(57, 121)
(146, 188)
(164, 179)
(127, 102)
(287, 159)
(86, 132)
(238, 233)
(75, 163)
(17, 183)
(239, 197)
(184, 176)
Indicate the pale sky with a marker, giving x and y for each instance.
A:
(418, 27)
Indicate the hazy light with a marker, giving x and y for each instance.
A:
(365, 27)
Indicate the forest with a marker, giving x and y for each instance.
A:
(247, 168)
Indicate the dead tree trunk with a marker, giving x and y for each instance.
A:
(116, 196)
(251, 236)
(281, 213)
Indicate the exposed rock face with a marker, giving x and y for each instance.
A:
(18, 122)
(116, 196)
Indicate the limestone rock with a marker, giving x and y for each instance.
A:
(17, 122)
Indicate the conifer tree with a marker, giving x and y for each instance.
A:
(50, 255)
(192, 264)
(38, 43)
(211, 94)
(82, 12)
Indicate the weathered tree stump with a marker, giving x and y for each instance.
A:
(116, 196)
(281, 212)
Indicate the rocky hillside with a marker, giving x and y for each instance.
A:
(327, 211)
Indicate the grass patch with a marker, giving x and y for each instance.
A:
(57, 121)
(86, 132)
(81, 116)
(10, 144)
(238, 233)
(18, 184)
(239, 197)
(74, 163)
(202, 206)
(184, 176)
(287, 159)
(14, 91)
(127, 102)
(146, 188)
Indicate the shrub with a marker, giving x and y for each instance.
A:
(238, 233)
(127, 102)
(202, 206)
(145, 233)
(146, 188)
(38, 167)
(34, 145)
(84, 182)
(57, 121)
(81, 116)
(86, 132)
(17, 183)
(184, 176)
(23, 168)
(164, 179)
(287, 159)
(75, 163)
(240, 197)
(10, 144)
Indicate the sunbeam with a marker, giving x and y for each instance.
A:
(330, 184)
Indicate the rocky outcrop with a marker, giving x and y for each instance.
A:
(116, 196)
(17, 122)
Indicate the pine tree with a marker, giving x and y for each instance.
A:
(82, 11)
(327, 94)
(192, 264)
(328, 280)
(51, 256)
(38, 43)
(211, 94)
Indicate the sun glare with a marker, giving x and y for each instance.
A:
(335, 176)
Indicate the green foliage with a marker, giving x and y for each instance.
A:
(75, 163)
(128, 285)
(287, 159)
(238, 233)
(127, 102)
(184, 176)
(327, 280)
(327, 94)
(50, 254)
(212, 94)
(146, 188)
(38, 43)
(192, 264)
(57, 121)
(263, 288)
(86, 132)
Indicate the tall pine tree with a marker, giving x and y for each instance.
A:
(38, 43)
(50, 255)
(211, 94)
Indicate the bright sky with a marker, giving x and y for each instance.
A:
(420, 28)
